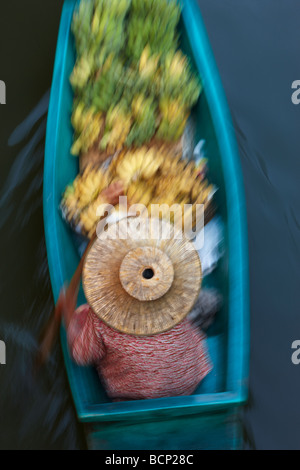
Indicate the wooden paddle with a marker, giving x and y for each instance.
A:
(65, 307)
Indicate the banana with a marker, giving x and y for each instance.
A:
(148, 65)
(81, 72)
(89, 218)
(70, 203)
(87, 125)
(149, 176)
(139, 164)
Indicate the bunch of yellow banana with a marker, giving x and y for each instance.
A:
(90, 217)
(89, 185)
(179, 184)
(142, 163)
(171, 208)
(99, 208)
(139, 192)
(170, 163)
(167, 187)
(84, 190)
(188, 178)
(149, 176)
(200, 196)
(180, 174)
(70, 203)
(88, 125)
(201, 191)
(178, 211)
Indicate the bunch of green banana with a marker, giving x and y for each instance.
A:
(81, 72)
(173, 119)
(81, 26)
(144, 77)
(107, 88)
(153, 23)
(130, 82)
(108, 27)
(148, 64)
(144, 111)
(117, 127)
(99, 28)
(178, 80)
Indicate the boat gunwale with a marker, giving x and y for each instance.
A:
(236, 380)
(236, 204)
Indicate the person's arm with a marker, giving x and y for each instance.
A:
(84, 338)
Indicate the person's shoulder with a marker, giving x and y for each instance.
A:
(105, 330)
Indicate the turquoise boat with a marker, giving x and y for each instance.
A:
(208, 419)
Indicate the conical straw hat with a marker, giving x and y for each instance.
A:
(142, 278)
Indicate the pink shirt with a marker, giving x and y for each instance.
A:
(131, 367)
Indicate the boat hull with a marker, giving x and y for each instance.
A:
(208, 419)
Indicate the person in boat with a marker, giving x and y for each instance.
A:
(134, 367)
(172, 363)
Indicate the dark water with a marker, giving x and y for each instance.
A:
(36, 410)
(256, 45)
